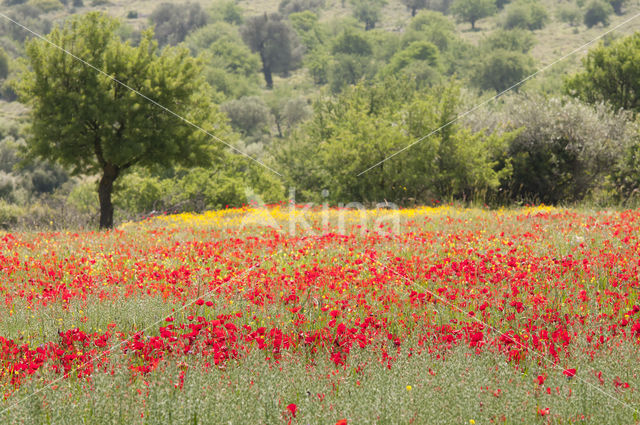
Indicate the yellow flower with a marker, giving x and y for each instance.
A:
(408, 387)
(472, 422)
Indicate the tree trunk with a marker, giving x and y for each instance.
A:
(267, 76)
(105, 189)
(413, 11)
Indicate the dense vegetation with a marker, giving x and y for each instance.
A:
(318, 91)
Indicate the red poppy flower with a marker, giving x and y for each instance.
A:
(342, 422)
(292, 408)
(570, 373)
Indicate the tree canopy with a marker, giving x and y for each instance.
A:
(275, 41)
(611, 74)
(473, 10)
(86, 121)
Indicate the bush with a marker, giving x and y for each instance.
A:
(501, 69)
(248, 115)
(598, 12)
(287, 7)
(570, 13)
(132, 14)
(525, 14)
(173, 22)
(228, 11)
(9, 214)
(565, 148)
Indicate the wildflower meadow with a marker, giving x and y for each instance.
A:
(288, 315)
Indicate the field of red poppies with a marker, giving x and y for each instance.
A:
(279, 316)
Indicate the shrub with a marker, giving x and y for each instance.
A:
(525, 14)
(565, 148)
(598, 12)
(9, 214)
(570, 13)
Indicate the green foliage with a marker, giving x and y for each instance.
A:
(419, 61)
(351, 43)
(287, 7)
(29, 17)
(565, 148)
(473, 10)
(611, 74)
(525, 14)
(230, 67)
(90, 124)
(275, 41)
(617, 5)
(570, 13)
(309, 31)
(4, 64)
(367, 11)
(598, 12)
(433, 27)
(501, 69)
(195, 189)
(228, 11)
(9, 214)
(348, 70)
(250, 116)
(318, 64)
(625, 177)
(370, 121)
(173, 22)
(415, 5)
(515, 40)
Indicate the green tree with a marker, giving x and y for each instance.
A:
(420, 60)
(275, 41)
(563, 149)
(370, 121)
(415, 5)
(617, 5)
(173, 22)
(598, 12)
(230, 67)
(473, 10)
(525, 14)
(611, 74)
(433, 27)
(500, 69)
(368, 12)
(90, 124)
